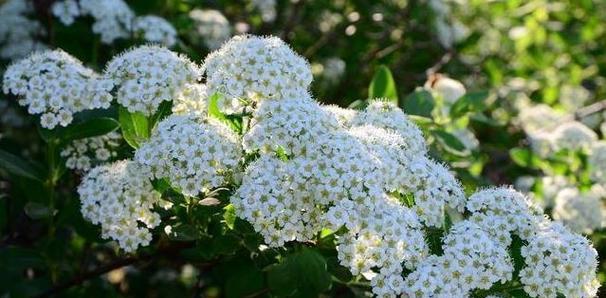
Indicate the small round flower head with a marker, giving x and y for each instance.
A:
(19, 34)
(67, 11)
(597, 162)
(155, 30)
(471, 260)
(378, 241)
(502, 211)
(541, 143)
(120, 198)
(192, 99)
(148, 75)
(56, 85)
(257, 68)
(387, 115)
(573, 136)
(447, 89)
(551, 186)
(559, 262)
(343, 115)
(195, 155)
(267, 8)
(539, 117)
(580, 212)
(278, 209)
(85, 153)
(210, 27)
(113, 18)
(434, 189)
(290, 124)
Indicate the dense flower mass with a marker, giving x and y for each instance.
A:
(19, 32)
(148, 75)
(192, 99)
(211, 28)
(56, 85)
(597, 162)
(195, 155)
(85, 153)
(120, 198)
(580, 212)
(156, 30)
(558, 261)
(257, 68)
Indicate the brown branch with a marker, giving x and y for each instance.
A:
(81, 278)
(590, 109)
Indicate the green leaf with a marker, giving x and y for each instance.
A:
(472, 102)
(184, 232)
(90, 128)
(525, 158)
(38, 211)
(163, 111)
(303, 273)
(234, 121)
(229, 216)
(135, 127)
(243, 279)
(19, 167)
(420, 103)
(383, 85)
(449, 141)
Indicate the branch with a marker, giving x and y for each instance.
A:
(590, 109)
(79, 279)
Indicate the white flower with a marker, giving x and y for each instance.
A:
(257, 68)
(18, 33)
(83, 153)
(56, 85)
(156, 30)
(193, 99)
(148, 75)
(559, 262)
(291, 124)
(67, 11)
(580, 212)
(196, 155)
(387, 115)
(502, 211)
(267, 8)
(120, 198)
(573, 136)
(113, 18)
(344, 116)
(540, 117)
(211, 27)
(551, 186)
(597, 162)
(447, 89)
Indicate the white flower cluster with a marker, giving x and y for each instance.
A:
(257, 68)
(449, 30)
(85, 153)
(330, 71)
(573, 136)
(445, 88)
(558, 261)
(471, 260)
(343, 116)
(502, 211)
(211, 28)
(148, 75)
(192, 99)
(155, 30)
(194, 154)
(18, 33)
(56, 85)
(115, 20)
(580, 212)
(597, 162)
(291, 124)
(267, 8)
(120, 198)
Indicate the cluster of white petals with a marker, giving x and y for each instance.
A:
(267, 8)
(19, 32)
(502, 211)
(292, 125)
(192, 99)
(121, 198)
(155, 30)
(211, 28)
(67, 11)
(344, 116)
(558, 261)
(447, 89)
(597, 162)
(56, 85)
(580, 212)
(194, 154)
(82, 154)
(257, 68)
(573, 136)
(538, 118)
(471, 260)
(148, 75)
